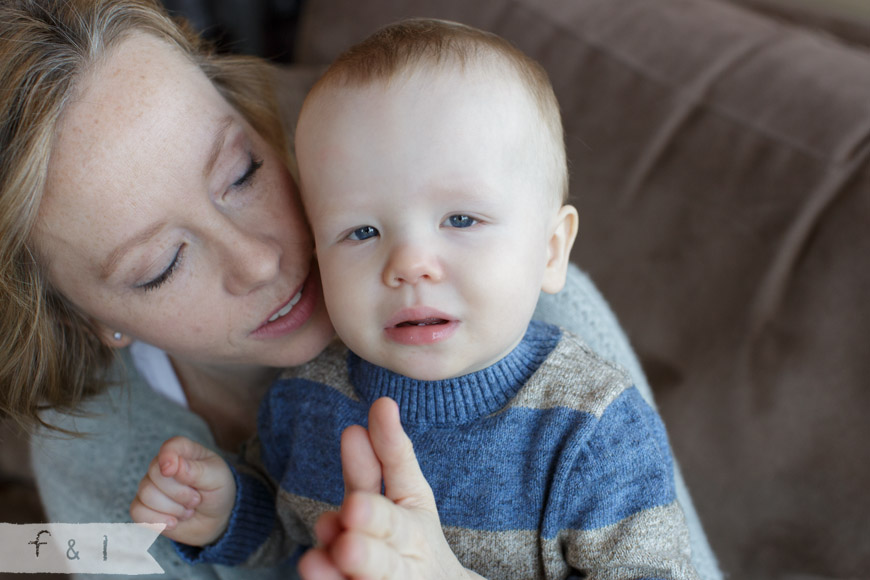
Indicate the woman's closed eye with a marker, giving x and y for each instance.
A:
(245, 180)
(166, 274)
(248, 176)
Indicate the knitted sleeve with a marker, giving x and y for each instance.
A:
(259, 533)
(581, 308)
(616, 513)
(272, 521)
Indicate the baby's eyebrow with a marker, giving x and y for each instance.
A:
(470, 192)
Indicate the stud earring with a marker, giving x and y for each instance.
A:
(117, 336)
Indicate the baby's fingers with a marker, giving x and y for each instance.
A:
(316, 564)
(191, 464)
(327, 527)
(141, 513)
(362, 556)
(166, 494)
(404, 482)
(376, 516)
(384, 540)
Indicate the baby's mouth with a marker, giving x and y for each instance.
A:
(423, 322)
(421, 326)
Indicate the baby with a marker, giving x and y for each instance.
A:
(433, 172)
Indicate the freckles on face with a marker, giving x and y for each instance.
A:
(153, 170)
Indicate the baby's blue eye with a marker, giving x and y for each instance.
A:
(363, 233)
(461, 221)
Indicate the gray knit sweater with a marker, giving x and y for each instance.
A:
(93, 479)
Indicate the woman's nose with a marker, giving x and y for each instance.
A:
(250, 262)
(412, 264)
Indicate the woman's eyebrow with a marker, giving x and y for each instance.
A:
(218, 141)
(111, 261)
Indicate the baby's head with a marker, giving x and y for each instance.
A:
(432, 168)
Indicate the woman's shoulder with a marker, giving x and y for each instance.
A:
(125, 411)
(112, 438)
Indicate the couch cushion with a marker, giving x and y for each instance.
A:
(719, 162)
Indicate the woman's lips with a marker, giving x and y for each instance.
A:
(419, 326)
(287, 307)
(294, 313)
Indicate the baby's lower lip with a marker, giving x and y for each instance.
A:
(421, 332)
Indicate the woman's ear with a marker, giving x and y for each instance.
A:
(559, 249)
(112, 338)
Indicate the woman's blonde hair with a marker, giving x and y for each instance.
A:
(50, 353)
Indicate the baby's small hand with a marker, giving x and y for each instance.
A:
(396, 535)
(190, 489)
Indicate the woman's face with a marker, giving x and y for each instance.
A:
(167, 218)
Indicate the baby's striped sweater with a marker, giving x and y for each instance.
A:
(548, 464)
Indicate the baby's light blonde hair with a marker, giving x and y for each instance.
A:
(50, 353)
(418, 43)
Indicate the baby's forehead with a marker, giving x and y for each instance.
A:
(457, 97)
(497, 86)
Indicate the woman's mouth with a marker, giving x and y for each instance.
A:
(294, 313)
(287, 307)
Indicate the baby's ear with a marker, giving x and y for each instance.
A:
(559, 249)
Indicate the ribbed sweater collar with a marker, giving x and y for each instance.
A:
(460, 399)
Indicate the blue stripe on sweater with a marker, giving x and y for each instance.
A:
(525, 469)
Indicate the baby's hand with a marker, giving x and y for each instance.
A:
(396, 535)
(190, 489)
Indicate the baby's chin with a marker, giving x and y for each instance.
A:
(429, 364)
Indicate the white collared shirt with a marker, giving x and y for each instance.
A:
(156, 369)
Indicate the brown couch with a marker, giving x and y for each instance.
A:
(720, 165)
